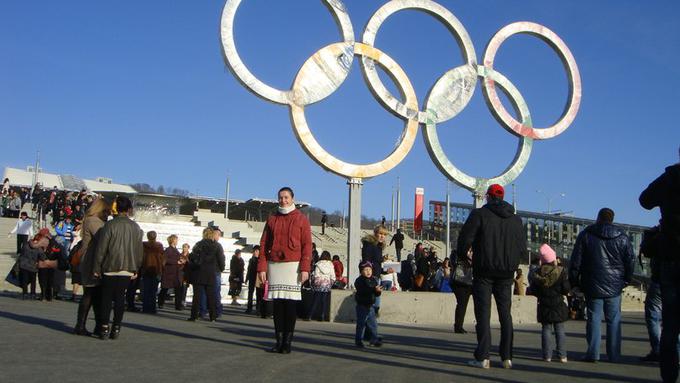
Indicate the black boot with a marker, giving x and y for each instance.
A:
(81, 330)
(279, 343)
(115, 332)
(287, 340)
(104, 333)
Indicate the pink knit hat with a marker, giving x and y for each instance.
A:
(547, 254)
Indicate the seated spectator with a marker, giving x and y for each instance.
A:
(407, 273)
(339, 268)
(389, 281)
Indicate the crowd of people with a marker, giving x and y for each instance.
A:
(112, 259)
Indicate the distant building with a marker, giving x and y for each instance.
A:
(559, 231)
(29, 177)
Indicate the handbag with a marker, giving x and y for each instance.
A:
(75, 258)
(419, 280)
(265, 294)
(462, 275)
(13, 275)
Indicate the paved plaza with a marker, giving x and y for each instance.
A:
(38, 347)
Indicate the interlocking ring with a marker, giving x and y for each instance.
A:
(323, 73)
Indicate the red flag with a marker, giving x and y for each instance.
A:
(418, 216)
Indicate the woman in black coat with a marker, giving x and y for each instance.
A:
(236, 266)
(205, 260)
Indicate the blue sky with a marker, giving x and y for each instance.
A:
(139, 92)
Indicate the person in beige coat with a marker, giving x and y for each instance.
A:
(95, 217)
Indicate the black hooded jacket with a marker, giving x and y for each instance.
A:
(602, 261)
(664, 192)
(497, 238)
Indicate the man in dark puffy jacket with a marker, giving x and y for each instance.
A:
(601, 264)
(664, 192)
(498, 241)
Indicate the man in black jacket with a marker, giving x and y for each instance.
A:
(398, 240)
(664, 192)
(498, 241)
(601, 265)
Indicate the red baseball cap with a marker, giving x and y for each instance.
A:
(496, 190)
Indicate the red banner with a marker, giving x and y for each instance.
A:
(418, 216)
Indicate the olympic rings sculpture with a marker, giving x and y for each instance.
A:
(323, 73)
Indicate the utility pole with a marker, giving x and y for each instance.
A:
(226, 206)
(398, 203)
(392, 212)
(35, 171)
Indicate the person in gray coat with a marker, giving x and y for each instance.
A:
(117, 258)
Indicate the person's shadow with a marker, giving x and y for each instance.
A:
(36, 321)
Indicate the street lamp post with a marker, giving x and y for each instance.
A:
(550, 200)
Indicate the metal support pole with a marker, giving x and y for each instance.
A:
(478, 198)
(226, 207)
(354, 232)
(448, 221)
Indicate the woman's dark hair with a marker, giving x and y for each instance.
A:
(336, 257)
(289, 190)
(325, 256)
(123, 204)
(6, 180)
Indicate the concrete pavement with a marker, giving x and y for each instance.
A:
(38, 347)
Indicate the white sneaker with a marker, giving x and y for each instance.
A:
(480, 363)
(507, 363)
(547, 360)
(563, 360)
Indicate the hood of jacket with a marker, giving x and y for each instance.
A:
(548, 275)
(148, 246)
(501, 208)
(325, 267)
(605, 230)
(373, 240)
(674, 173)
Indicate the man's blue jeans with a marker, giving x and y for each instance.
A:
(366, 318)
(653, 315)
(611, 308)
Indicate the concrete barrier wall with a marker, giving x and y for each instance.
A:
(425, 308)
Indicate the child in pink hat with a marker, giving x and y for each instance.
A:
(550, 284)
